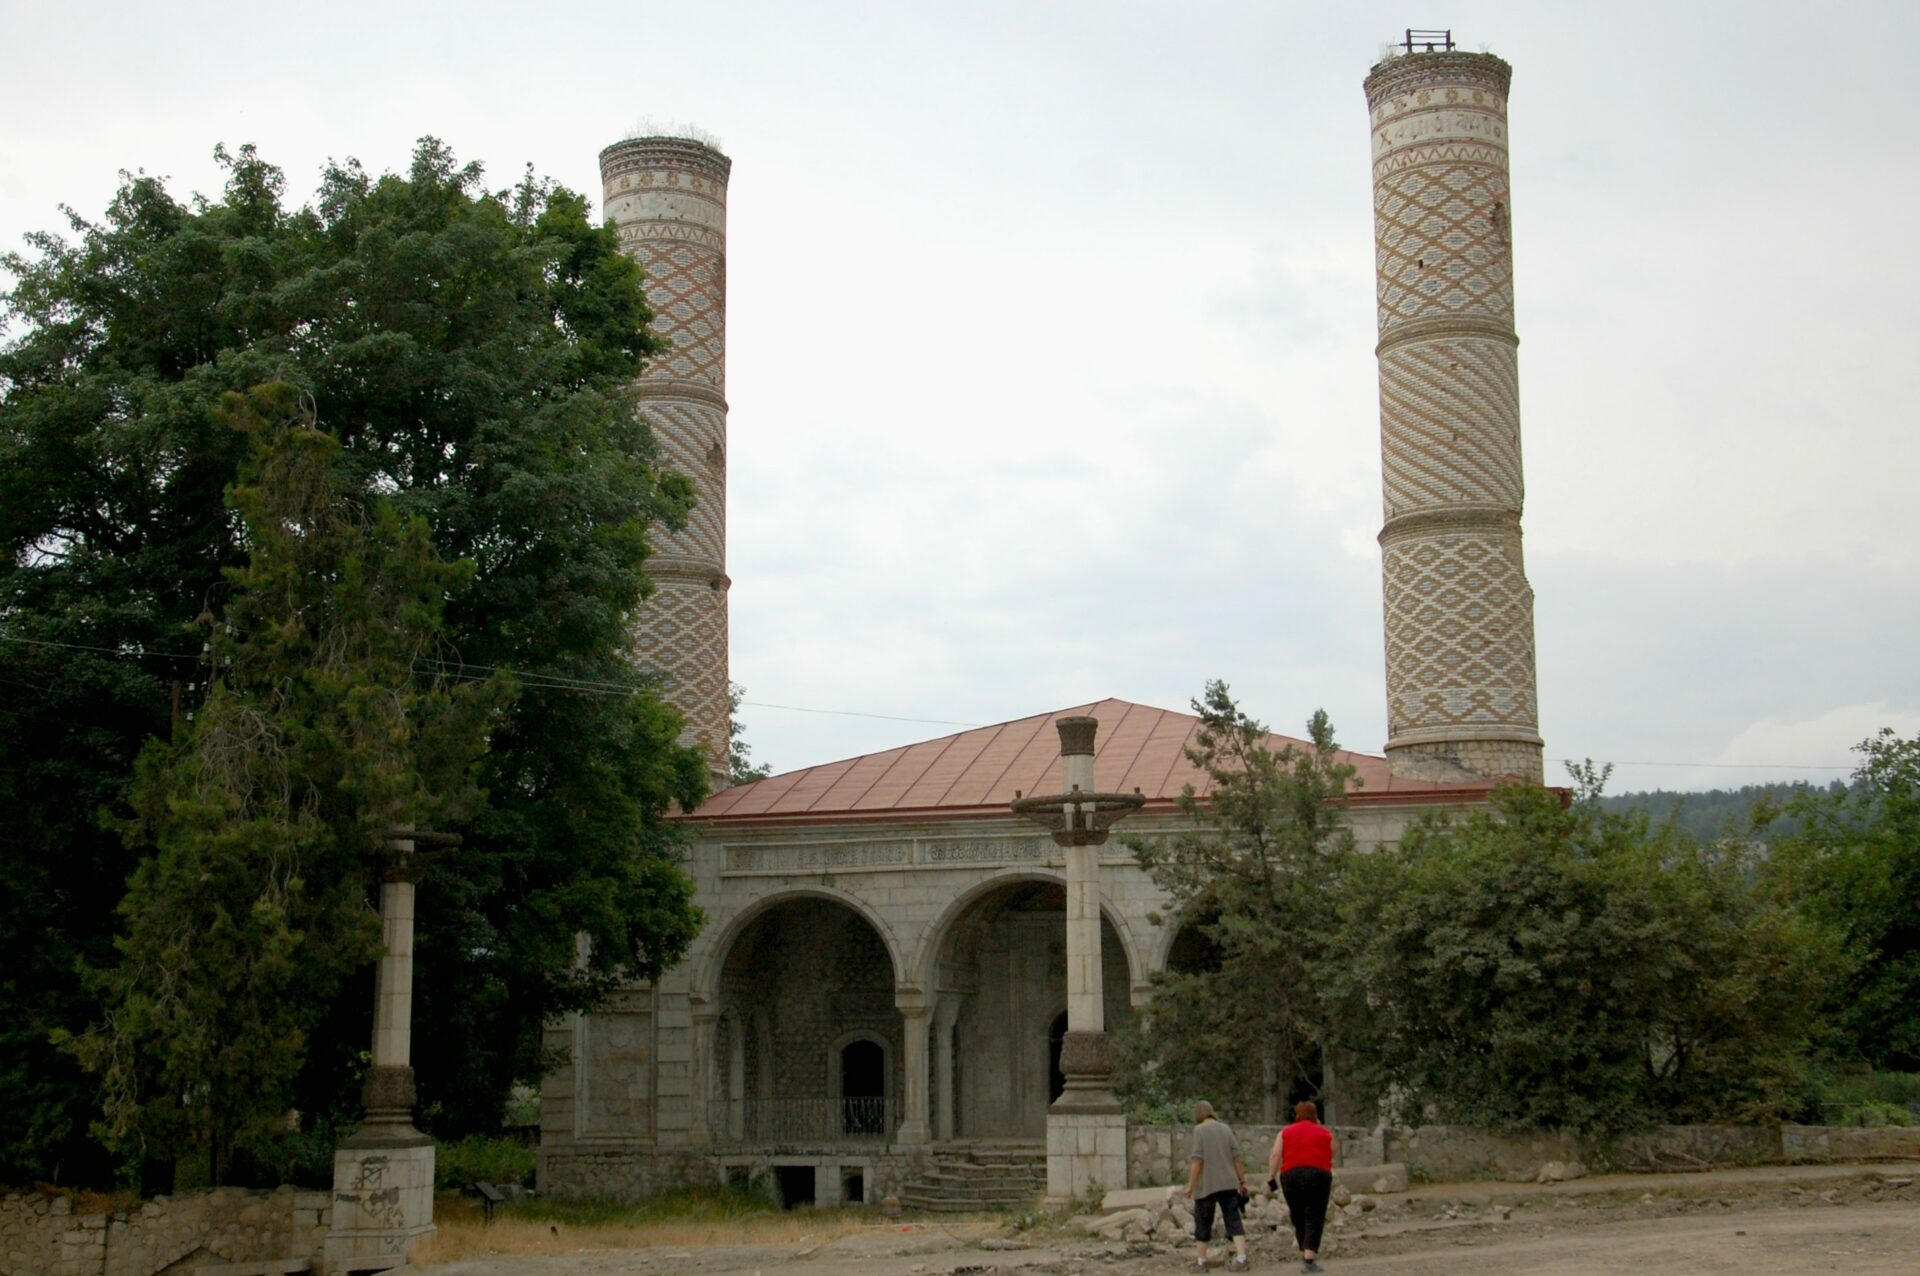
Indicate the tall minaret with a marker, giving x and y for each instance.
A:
(668, 197)
(1459, 612)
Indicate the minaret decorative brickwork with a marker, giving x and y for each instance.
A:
(1459, 612)
(668, 198)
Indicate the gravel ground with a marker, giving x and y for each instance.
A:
(1864, 1221)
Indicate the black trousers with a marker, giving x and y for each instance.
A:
(1229, 1205)
(1307, 1191)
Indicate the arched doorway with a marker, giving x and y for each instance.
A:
(812, 1041)
(1002, 961)
(863, 1087)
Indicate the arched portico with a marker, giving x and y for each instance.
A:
(924, 965)
(706, 984)
(995, 971)
(811, 1045)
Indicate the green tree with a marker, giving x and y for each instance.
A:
(1256, 881)
(739, 753)
(1855, 864)
(1545, 963)
(265, 812)
(473, 353)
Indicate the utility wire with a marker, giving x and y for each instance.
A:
(464, 672)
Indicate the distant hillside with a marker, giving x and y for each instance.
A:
(1714, 813)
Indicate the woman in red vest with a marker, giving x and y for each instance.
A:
(1303, 1159)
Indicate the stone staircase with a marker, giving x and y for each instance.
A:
(978, 1180)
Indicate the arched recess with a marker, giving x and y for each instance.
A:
(797, 982)
(1180, 938)
(996, 971)
(925, 965)
(707, 985)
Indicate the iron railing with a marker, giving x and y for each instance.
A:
(802, 1120)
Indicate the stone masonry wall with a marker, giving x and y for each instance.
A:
(1157, 1154)
(40, 1235)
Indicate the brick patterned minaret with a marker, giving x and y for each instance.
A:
(668, 198)
(1459, 612)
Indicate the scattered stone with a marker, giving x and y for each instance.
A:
(1341, 1195)
(1647, 1199)
(1113, 1224)
(1575, 1170)
(1503, 1212)
(1003, 1243)
(1551, 1172)
(1366, 1203)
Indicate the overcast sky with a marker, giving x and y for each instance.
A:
(1051, 331)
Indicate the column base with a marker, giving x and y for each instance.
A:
(382, 1197)
(1086, 1148)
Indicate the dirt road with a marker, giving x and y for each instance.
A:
(1750, 1223)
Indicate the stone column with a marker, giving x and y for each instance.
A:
(1086, 1128)
(944, 1018)
(668, 198)
(700, 1082)
(1461, 698)
(383, 1172)
(913, 1063)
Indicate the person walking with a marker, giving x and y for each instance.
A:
(1216, 1180)
(1303, 1159)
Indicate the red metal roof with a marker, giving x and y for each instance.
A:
(980, 771)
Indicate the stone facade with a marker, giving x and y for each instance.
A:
(940, 944)
(40, 1235)
(668, 198)
(1458, 608)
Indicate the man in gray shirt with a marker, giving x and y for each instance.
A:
(1216, 1180)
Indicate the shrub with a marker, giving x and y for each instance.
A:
(457, 1166)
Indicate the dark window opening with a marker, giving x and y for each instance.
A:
(853, 1187)
(796, 1185)
(863, 1088)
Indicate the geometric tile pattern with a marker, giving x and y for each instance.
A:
(1459, 631)
(667, 197)
(1458, 609)
(1450, 425)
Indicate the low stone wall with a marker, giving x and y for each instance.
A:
(40, 1235)
(1159, 1154)
(1849, 1143)
(1448, 1153)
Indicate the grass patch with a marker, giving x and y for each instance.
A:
(687, 1218)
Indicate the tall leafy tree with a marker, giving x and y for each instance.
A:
(1545, 963)
(266, 811)
(473, 353)
(1855, 863)
(1256, 883)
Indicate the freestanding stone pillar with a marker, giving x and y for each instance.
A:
(383, 1172)
(1086, 1127)
(1461, 698)
(668, 198)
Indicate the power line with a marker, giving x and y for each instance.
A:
(464, 672)
(1723, 766)
(120, 652)
(855, 713)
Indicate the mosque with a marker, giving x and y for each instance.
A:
(878, 1004)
